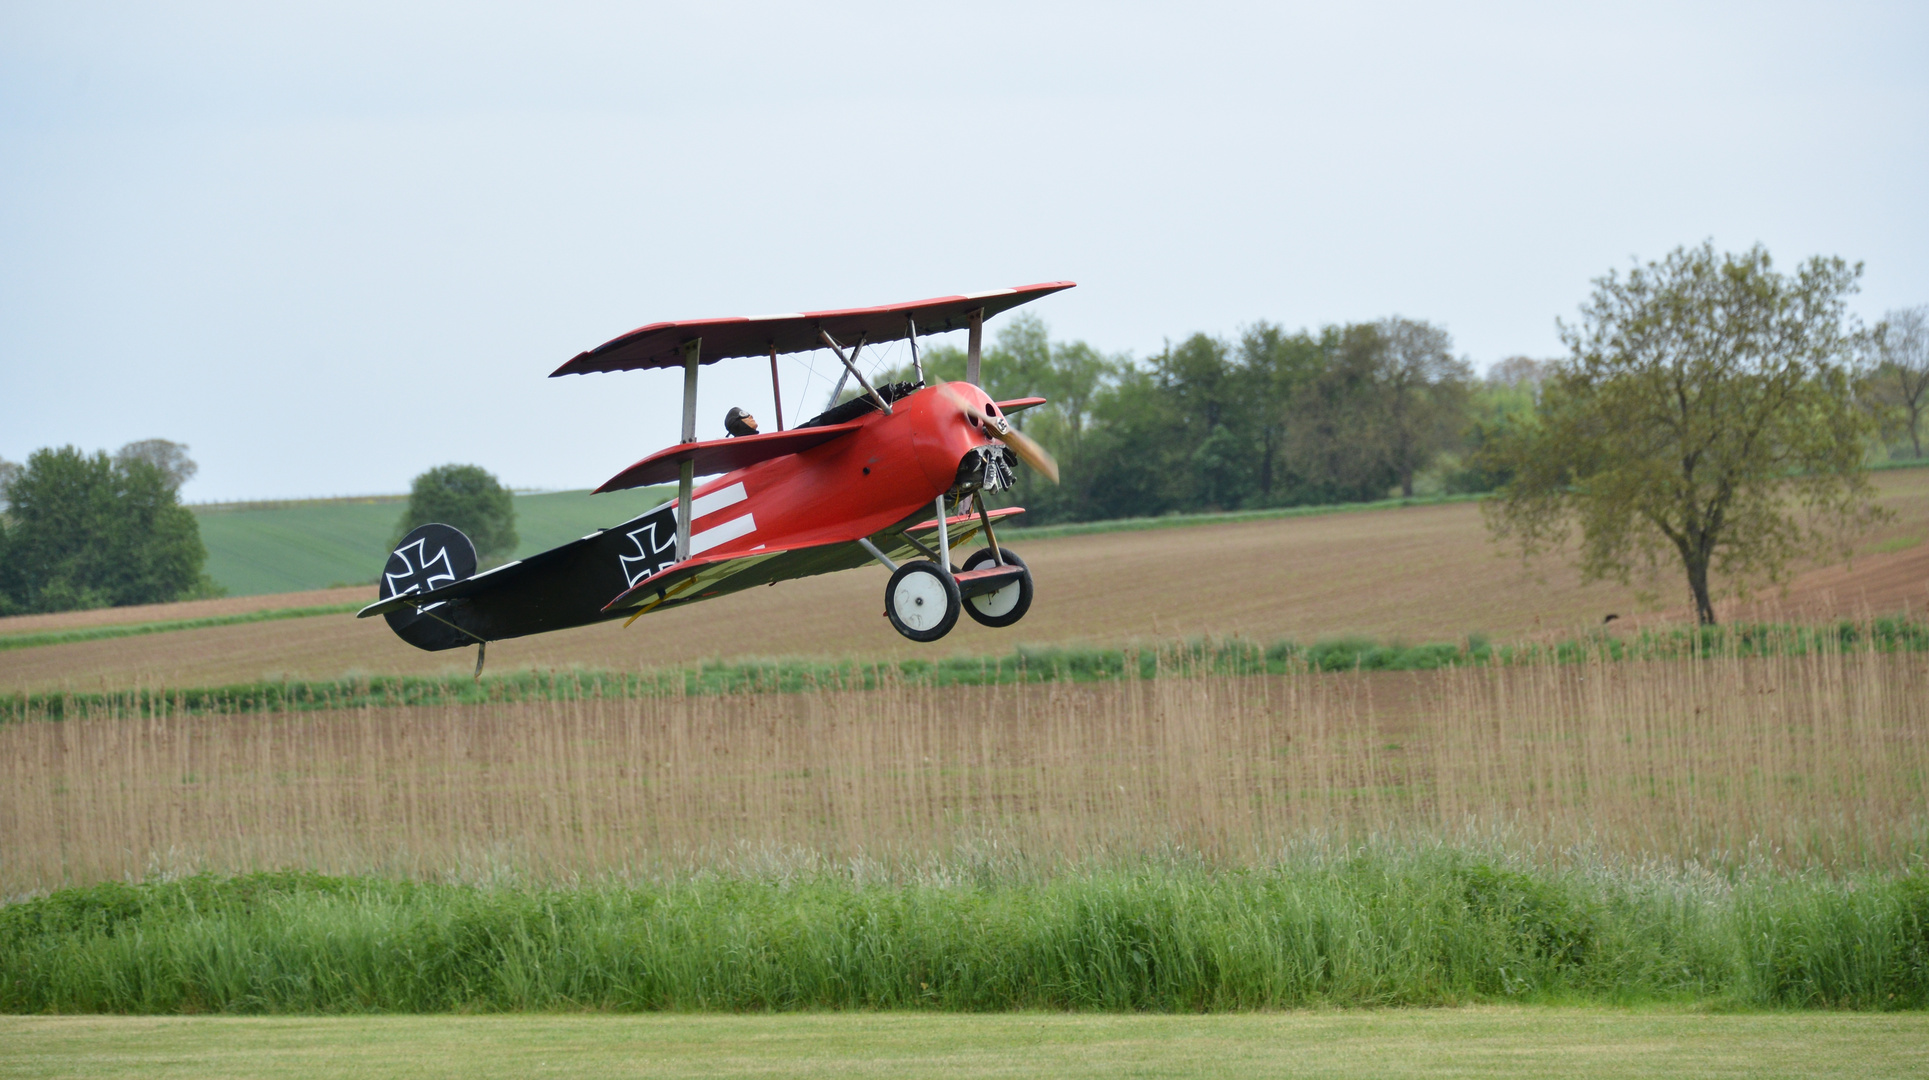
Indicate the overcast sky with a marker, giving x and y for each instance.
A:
(330, 247)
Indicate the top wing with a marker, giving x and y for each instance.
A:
(661, 344)
(722, 455)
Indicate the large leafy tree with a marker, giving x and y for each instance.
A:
(1705, 414)
(89, 531)
(469, 498)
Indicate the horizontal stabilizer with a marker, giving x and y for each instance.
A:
(415, 601)
(722, 455)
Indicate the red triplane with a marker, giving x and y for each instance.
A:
(895, 475)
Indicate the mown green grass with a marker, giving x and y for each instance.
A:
(257, 548)
(1503, 1041)
(1384, 924)
(1024, 665)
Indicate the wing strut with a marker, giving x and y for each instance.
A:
(973, 346)
(850, 366)
(776, 389)
(687, 472)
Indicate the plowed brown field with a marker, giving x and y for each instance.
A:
(1414, 574)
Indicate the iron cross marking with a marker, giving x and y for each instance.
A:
(652, 554)
(421, 571)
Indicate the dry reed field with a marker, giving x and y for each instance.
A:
(1805, 760)
(1414, 574)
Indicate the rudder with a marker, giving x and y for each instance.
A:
(430, 556)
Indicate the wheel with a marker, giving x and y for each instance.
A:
(1007, 605)
(922, 601)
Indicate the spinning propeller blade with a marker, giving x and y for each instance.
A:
(1024, 445)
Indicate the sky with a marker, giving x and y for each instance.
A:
(330, 246)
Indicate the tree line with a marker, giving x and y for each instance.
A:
(1346, 413)
(1269, 417)
(1712, 413)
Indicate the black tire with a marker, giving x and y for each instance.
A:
(1004, 607)
(918, 592)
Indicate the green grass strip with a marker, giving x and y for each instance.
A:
(121, 630)
(1389, 924)
(1231, 656)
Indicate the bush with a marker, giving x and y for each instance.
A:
(469, 498)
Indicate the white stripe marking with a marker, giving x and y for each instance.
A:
(716, 500)
(723, 534)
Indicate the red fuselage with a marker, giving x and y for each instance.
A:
(894, 466)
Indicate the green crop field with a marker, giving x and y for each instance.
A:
(256, 548)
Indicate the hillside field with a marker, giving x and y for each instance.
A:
(258, 548)
(1416, 574)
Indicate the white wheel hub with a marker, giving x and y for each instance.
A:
(997, 603)
(919, 601)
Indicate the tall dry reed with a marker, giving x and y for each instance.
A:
(1820, 759)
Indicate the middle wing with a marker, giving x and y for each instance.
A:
(723, 455)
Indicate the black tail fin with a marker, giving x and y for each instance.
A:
(431, 556)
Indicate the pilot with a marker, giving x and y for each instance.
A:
(738, 422)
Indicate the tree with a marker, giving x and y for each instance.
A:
(8, 470)
(1519, 372)
(87, 531)
(1705, 408)
(1426, 394)
(1335, 440)
(469, 498)
(169, 457)
(1900, 374)
(1274, 367)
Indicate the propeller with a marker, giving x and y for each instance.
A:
(1024, 445)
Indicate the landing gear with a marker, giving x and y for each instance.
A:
(1006, 604)
(922, 601)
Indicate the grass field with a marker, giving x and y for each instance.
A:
(256, 548)
(1415, 574)
(1487, 1041)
